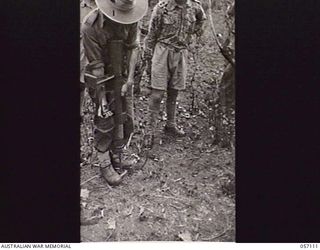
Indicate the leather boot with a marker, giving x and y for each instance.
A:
(120, 161)
(174, 131)
(171, 127)
(110, 175)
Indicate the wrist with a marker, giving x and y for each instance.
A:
(129, 84)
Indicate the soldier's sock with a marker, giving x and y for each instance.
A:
(154, 107)
(155, 99)
(104, 159)
(171, 107)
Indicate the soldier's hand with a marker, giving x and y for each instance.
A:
(126, 88)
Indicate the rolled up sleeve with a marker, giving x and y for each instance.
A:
(154, 30)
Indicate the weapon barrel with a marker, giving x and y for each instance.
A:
(116, 54)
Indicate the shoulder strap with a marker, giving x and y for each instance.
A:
(91, 17)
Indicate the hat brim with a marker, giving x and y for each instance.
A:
(124, 17)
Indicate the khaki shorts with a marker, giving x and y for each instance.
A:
(169, 68)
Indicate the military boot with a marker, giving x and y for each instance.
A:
(171, 127)
(120, 161)
(174, 131)
(110, 175)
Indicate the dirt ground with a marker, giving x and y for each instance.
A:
(188, 192)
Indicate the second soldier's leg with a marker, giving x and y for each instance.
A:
(171, 126)
(153, 132)
(178, 68)
(154, 109)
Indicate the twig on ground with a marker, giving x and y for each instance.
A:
(217, 236)
(129, 141)
(124, 173)
(171, 197)
(109, 236)
(227, 170)
(193, 158)
(109, 186)
(90, 179)
(178, 208)
(86, 238)
(196, 237)
(98, 188)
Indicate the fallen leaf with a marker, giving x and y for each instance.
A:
(141, 211)
(111, 223)
(128, 212)
(84, 193)
(186, 236)
(142, 216)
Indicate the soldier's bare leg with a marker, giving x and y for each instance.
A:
(154, 109)
(153, 132)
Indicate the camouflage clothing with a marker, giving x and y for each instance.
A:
(173, 25)
(170, 32)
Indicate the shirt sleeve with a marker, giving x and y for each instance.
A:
(92, 49)
(154, 31)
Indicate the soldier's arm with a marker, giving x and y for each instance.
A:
(154, 31)
(92, 51)
(200, 18)
(228, 46)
